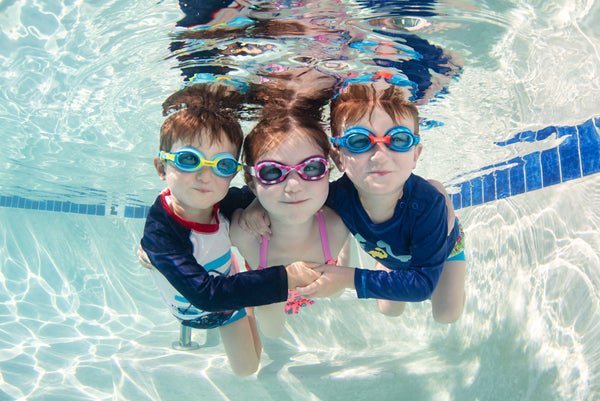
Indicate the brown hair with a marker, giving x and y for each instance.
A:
(202, 109)
(357, 100)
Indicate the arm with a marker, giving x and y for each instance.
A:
(236, 198)
(332, 280)
(168, 248)
(254, 220)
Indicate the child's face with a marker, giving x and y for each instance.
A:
(195, 193)
(380, 170)
(293, 200)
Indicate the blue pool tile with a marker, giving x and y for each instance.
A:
(82, 208)
(568, 152)
(456, 201)
(35, 205)
(100, 210)
(489, 187)
(517, 178)
(21, 204)
(545, 133)
(57, 206)
(465, 194)
(128, 211)
(49, 205)
(3, 200)
(139, 212)
(550, 167)
(476, 191)
(589, 147)
(91, 209)
(502, 184)
(66, 206)
(510, 141)
(27, 204)
(74, 208)
(527, 136)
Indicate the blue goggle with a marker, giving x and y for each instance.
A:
(361, 139)
(190, 159)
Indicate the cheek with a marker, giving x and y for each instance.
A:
(223, 184)
(353, 163)
(265, 193)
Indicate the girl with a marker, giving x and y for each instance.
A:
(287, 154)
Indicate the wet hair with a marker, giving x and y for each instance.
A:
(268, 28)
(357, 100)
(204, 109)
(284, 113)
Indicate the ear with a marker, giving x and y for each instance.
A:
(159, 165)
(418, 150)
(336, 156)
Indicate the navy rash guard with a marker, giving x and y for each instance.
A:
(413, 243)
(168, 246)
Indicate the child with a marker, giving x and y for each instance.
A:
(399, 218)
(287, 154)
(186, 235)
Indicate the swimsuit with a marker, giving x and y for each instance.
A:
(295, 301)
(414, 243)
(195, 268)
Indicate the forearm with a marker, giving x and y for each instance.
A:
(218, 293)
(411, 285)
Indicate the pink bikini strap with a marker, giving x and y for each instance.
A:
(324, 238)
(264, 246)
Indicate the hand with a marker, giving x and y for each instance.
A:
(301, 273)
(254, 220)
(333, 279)
(143, 258)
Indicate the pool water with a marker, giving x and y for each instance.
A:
(82, 84)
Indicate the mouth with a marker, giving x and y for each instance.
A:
(379, 173)
(295, 202)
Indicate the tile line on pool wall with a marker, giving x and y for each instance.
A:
(577, 155)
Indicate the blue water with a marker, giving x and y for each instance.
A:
(81, 88)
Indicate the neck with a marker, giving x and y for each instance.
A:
(379, 208)
(201, 216)
(292, 233)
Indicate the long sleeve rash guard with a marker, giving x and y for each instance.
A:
(413, 243)
(167, 243)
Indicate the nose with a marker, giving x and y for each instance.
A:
(378, 150)
(204, 174)
(293, 182)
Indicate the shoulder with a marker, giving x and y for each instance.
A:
(246, 243)
(428, 191)
(337, 232)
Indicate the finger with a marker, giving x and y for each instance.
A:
(309, 289)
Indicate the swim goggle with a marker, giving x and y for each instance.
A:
(361, 139)
(190, 159)
(271, 172)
